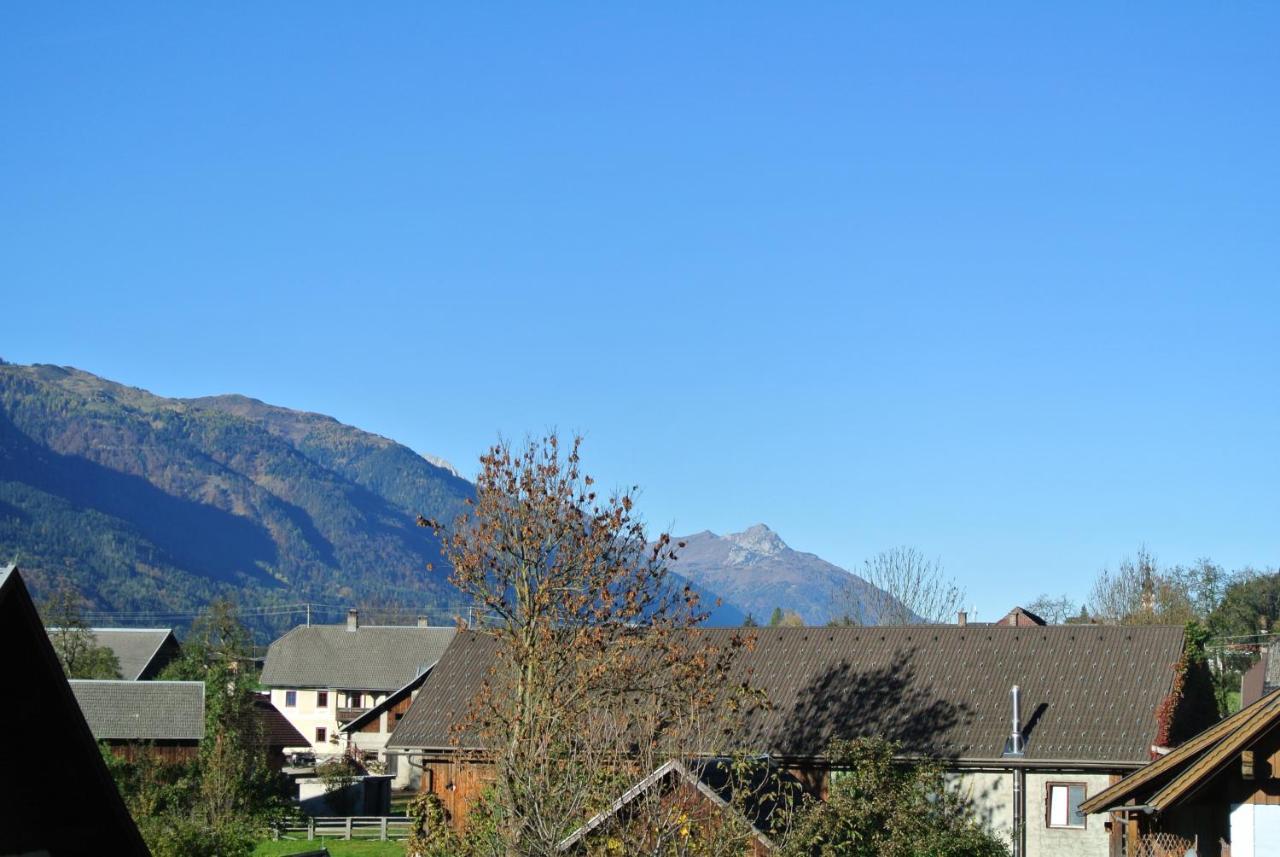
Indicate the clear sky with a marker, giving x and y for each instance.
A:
(997, 281)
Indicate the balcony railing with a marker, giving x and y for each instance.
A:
(346, 715)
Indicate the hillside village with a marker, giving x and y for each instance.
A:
(1080, 739)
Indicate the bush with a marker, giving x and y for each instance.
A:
(174, 835)
(880, 807)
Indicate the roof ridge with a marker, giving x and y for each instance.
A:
(135, 682)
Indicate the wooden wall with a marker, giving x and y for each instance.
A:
(457, 781)
(165, 751)
(391, 716)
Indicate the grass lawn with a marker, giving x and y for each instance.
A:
(337, 847)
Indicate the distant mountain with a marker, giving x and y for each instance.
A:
(149, 504)
(756, 571)
(154, 504)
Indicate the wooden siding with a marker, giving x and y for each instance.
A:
(389, 717)
(164, 751)
(1264, 787)
(458, 781)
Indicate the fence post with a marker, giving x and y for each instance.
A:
(384, 828)
(311, 828)
(348, 827)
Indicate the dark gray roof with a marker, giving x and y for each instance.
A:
(373, 657)
(1089, 693)
(137, 649)
(142, 710)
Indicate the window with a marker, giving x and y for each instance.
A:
(290, 698)
(322, 699)
(321, 734)
(1062, 805)
(353, 699)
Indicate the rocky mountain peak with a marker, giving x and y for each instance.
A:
(758, 539)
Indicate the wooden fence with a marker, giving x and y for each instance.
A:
(381, 827)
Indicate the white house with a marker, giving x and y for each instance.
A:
(322, 677)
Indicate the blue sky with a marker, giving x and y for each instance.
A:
(997, 283)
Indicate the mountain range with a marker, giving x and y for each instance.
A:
(152, 507)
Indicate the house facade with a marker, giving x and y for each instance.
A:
(1090, 699)
(323, 677)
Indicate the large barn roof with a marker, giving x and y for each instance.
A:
(1089, 693)
(142, 710)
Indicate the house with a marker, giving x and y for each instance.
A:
(1217, 793)
(702, 790)
(1091, 698)
(1018, 617)
(369, 732)
(162, 718)
(141, 652)
(48, 741)
(323, 677)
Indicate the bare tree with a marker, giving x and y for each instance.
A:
(1139, 592)
(601, 672)
(907, 588)
(1054, 611)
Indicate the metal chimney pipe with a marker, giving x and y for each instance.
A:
(1016, 738)
(1015, 748)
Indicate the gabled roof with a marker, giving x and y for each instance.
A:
(142, 652)
(392, 699)
(1022, 617)
(142, 710)
(712, 780)
(1182, 772)
(46, 709)
(372, 657)
(452, 684)
(1089, 693)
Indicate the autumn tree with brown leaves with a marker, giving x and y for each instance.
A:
(601, 671)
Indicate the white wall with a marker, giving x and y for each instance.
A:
(991, 794)
(307, 715)
(1255, 830)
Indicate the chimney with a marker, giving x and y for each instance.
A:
(1015, 746)
(962, 618)
(422, 622)
(353, 619)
